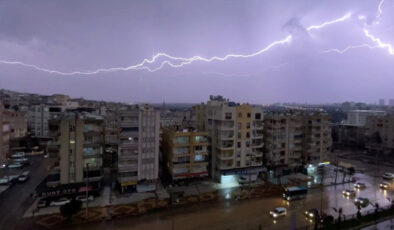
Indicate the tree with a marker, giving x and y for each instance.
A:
(339, 211)
(71, 208)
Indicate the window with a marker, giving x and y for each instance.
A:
(239, 134)
(228, 116)
(239, 115)
(248, 115)
(239, 125)
(248, 125)
(247, 143)
(257, 116)
(247, 135)
(238, 144)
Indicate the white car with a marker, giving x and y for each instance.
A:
(17, 155)
(83, 198)
(277, 212)
(349, 192)
(359, 185)
(388, 176)
(15, 166)
(60, 202)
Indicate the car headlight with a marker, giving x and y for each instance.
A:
(355, 200)
(275, 215)
(306, 212)
(311, 214)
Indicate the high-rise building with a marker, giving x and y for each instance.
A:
(391, 102)
(138, 150)
(295, 138)
(38, 117)
(236, 133)
(81, 148)
(18, 123)
(359, 117)
(4, 136)
(185, 153)
(380, 134)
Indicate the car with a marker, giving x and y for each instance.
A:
(60, 202)
(361, 201)
(384, 185)
(15, 165)
(82, 198)
(24, 176)
(42, 203)
(312, 213)
(20, 160)
(277, 212)
(18, 155)
(388, 176)
(359, 185)
(348, 192)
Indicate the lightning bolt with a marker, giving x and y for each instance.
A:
(379, 42)
(176, 62)
(349, 48)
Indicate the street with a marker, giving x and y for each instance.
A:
(250, 214)
(16, 199)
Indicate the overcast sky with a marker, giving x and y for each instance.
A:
(76, 35)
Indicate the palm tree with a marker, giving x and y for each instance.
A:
(351, 171)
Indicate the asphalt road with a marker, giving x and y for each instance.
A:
(251, 214)
(16, 199)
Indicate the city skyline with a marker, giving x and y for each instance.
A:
(315, 65)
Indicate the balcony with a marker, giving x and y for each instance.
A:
(225, 155)
(129, 123)
(226, 145)
(127, 156)
(127, 167)
(129, 134)
(258, 125)
(257, 144)
(257, 135)
(226, 125)
(227, 135)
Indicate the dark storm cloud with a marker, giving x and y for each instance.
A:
(87, 35)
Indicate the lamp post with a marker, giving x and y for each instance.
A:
(87, 190)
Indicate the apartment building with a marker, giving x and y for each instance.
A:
(236, 132)
(138, 149)
(295, 138)
(38, 117)
(4, 136)
(359, 117)
(185, 153)
(81, 143)
(18, 123)
(380, 134)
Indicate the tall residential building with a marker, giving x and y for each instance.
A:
(138, 153)
(185, 153)
(4, 136)
(380, 134)
(81, 143)
(38, 117)
(295, 138)
(18, 123)
(359, 117)
(236, 133)
(391, 102)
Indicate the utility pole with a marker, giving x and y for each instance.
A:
(87, 190)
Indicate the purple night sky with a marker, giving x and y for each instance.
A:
(88, 35)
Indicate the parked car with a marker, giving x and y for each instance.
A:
(348, 192)
(363, 202)
(20, 160)
(42, 203)
(18, 155)
(359, 185)
(312, 213)
(15, 165)
(83, 198)
(388, 176)
(60, 202)
(277, 212)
